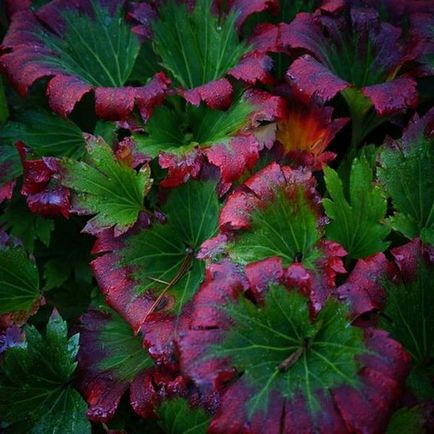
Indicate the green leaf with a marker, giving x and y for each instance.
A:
(19, 281)
(407, 420)
(45, 133)
(35, 389)
(177, 417)
(106, 187)
(124, 354)
(4, 109)
(106, 130)
(101, 51)
(165, 253)
(28, 227)
(356, 218)
(68, 255)
(278, 347)
(285, 227)
(201, 47)
(178, 131)
(10, 163)
(408, 177)
(408, 318)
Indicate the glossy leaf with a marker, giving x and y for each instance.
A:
(163, 256)
(83, 47)
(278, 348)
(106, 187)
(287, 228)
(201, 48)
(280, 367)
(110, 359)
(203, 127)
(100, 50)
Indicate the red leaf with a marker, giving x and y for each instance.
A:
(41, 185)
(393, 96)
(216, 94)
(312, 78)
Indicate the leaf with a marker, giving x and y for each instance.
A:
(281, 339)
(287, 228)
(199, 126)
(274, 217)
(401, 292)
(111, 361)
(45, 133)
(35, 383)
(4, 109)
(406, 172)
(25, 225)
(10, 165)
(356, 223)
(181, 135)
(106, 187)
(67, 256)
(351, 60)
(101, 51)
(305, 132)
(19, 281)
(201, 47)
(163, 257)
(278, 366)
(409, 420)
(80, 48)
(177, 417)
(407, 313)
(281, 219)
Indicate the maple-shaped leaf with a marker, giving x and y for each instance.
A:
(207, 49)
(106, 187)
(45, 133)
(356, 215)
(276, 215)
(268, 29)
(176, 416)
(83, 46)
(282, 370)
(184, 136)
(406, 168)
(401, 292)
(19, 283)
(407, 313)
(35, 383)
(344, 53)
(111, 361)
(153, 272)
(24, 225)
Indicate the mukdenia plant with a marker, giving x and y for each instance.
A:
(217, 216)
